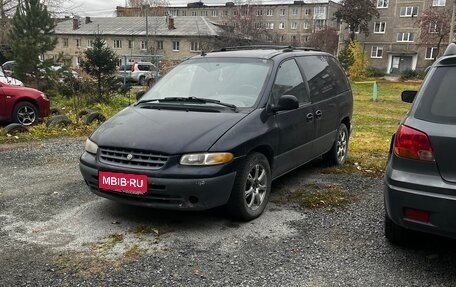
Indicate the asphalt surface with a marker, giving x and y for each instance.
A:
(54, 232)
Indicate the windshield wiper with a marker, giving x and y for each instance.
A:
(191, 100)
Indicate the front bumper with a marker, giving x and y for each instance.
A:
(426, 192)
(167, 192)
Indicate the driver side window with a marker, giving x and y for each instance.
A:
(289, 82)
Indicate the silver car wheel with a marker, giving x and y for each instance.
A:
(256, 187)
(26, 115)
(341, 145)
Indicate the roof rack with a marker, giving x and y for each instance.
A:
(264, 47)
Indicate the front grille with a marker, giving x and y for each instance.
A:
(132, 158)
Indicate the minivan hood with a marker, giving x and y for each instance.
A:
(165, 131)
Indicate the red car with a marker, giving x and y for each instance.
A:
(22, 105)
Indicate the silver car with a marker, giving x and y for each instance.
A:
(420, 176)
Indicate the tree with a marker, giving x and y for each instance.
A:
(101, 63)
(325, 39)
(357, 14)
(242, 27)
(435, 27)
(357, 70)
(31, 35)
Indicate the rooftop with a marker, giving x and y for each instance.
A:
(136, 26)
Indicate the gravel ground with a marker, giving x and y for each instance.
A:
(54, 232)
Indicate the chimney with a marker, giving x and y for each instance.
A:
(75, 23)
(87, 21)
(171, 23)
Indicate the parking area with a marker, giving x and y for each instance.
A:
(54, 232)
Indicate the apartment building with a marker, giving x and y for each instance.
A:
(173, 38)
(393, 42)
(291, 21)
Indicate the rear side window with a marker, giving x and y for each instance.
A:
(123, 68)
(144, 67)
(438, 100)
(324, 80)
(289, 82)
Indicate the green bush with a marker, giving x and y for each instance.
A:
(412, 75)
(372, 72)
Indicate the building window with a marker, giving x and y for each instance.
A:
(259, 12)
(204, 13)
(377, 52)
(282, 12)
(294, 25)
(175, 45)
(282, 25)
(65, 42)
(270, 26)
(438, 2)
(214, 13)
(90, 43)
(143, 45)
(320, 10)
(320, 23)
(294, 11)
(306, 38)
(235, 13)
(308, 12)
(382, 3)
(433, 27)
(117, 44)
(78, 43)
(405, 37)
(130, 44)
(408, 11)
(184, 13)
(306, 25)
(195, 47)
(431, 53)
(356, 31)
(282, 38)
(270, 12)
(379, 27)
(194, 13)
(159, 45)
(293, 38)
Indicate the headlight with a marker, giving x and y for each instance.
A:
(91, 147)
(206, 158)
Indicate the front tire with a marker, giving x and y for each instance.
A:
(25, 113)
(251, 189)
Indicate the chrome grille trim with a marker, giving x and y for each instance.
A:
(140, 159)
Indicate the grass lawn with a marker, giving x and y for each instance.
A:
(374, 123)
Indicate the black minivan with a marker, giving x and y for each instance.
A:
(219, 127)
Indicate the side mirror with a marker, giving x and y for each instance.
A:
(286, 102)
(408, 96)
(139, 95)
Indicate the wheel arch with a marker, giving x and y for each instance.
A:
(266, 151)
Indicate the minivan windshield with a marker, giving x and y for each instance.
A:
(234, 81)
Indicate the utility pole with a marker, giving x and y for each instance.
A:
(146, 10)
(451, 37)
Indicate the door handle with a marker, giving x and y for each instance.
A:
(318, 114)
(310, 117)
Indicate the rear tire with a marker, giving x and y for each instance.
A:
(251, 189)
(338, 153)
(394, 233)
(142, 81)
